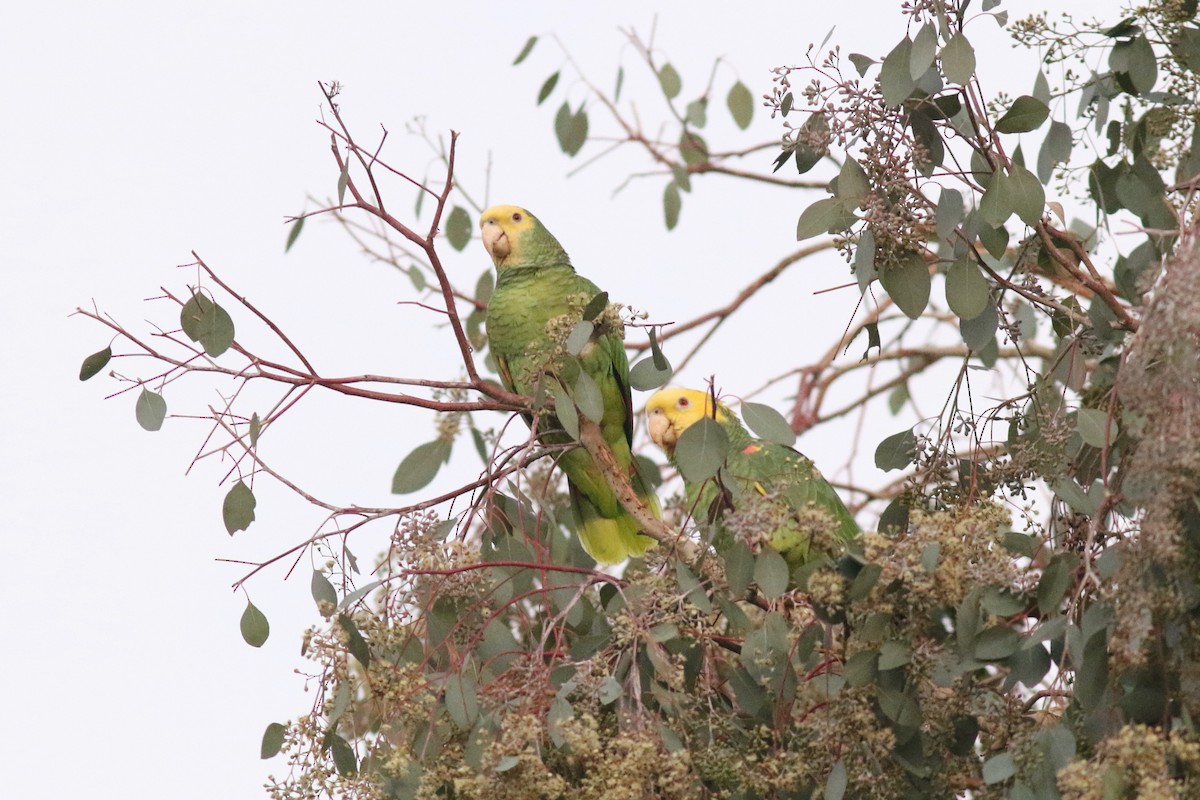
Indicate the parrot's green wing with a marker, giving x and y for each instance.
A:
(606, 530)
(769, 484)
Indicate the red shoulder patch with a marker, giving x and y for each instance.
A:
(751, 448)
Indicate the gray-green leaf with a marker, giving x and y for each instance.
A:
(1095, 427)
(571, 129)
(771, 573)
(768, 423)
(1026, 193)
(896, 451)
(672, 203)
(1025, 114)
(94, 363)
(458, 228)
(669, 80)
(580, 335)
(645, 375)
(701, 450)
(908, 283)
(827, 215)
(420, 466)
(207, 323)
(254, 625)
(547, 88)
(966, 289)
(237, 511)
(150, 410)
(323, 591)
(958, 60)
(294, 233)
(741, 105)
(272, 740)
(894, 77)
(525, 50)
(588, 397)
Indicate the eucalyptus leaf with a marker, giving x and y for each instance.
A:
(768, 423)
(996, 643)
(741, 105)
(1057, 578)
(1056, 148)
(254, 626)
(827, 215)
(355, 642)
(344, 759)
(835, 783)
(580, 335)
(526, 49)
(588, 397)
(895, 79)
(852, 182)
(294, 233)
(462, 699)
(894, 654)
(701, 450)
(672, 204)
(1026, 194)
(458, 228)
(999, 768)
(150, 410)
(571, 128)
(237, 511)
(596, 306)
(420, 466)
(909, 284)
(1025, 114)
(322, 590)
(645, 375)
(94, 363)
(979, 331)
(1095, 427)
(967, 291)
(949, 213)
(924, 47)
(771, 573)
(272, 740)
(958, 60)
(896, 451)
(547, 87)
(669, 81)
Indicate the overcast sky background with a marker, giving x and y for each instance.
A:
(136, 132)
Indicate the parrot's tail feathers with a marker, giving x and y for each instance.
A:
(609, 540)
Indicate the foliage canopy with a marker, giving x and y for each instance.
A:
(1021, 619)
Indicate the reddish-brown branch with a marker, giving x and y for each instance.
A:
(1091, 278)
(745, 294)
(253, 310)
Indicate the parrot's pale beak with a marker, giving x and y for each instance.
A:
(495, 241)
(661, 430)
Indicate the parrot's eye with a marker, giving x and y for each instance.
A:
(516, 216)
(684, 402)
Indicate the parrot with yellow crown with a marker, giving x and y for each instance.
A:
(773, 481)
(537, 302)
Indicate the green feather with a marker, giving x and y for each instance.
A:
(774, 487)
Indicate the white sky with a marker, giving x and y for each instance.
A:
(135, 132)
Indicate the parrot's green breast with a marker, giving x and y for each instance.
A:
(523, 304)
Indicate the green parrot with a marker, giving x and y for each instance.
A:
(538, 300)
(768, 485)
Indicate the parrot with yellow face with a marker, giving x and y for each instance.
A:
(537, 303)
(765, 483)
